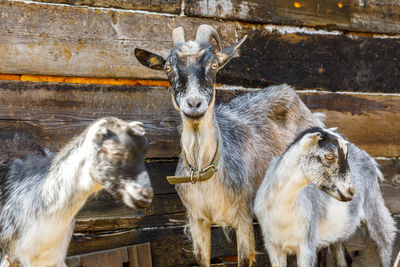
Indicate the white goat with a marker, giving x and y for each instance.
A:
(295, 214)
(40, 195)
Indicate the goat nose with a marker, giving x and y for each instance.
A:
(194, 102)
(147, 193)
(351, 191)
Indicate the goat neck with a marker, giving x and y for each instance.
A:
(68, 184)
(199, 140)
(288, 180)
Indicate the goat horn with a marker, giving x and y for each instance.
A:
(204, 32)
(178, 35)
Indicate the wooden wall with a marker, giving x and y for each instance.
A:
(64, 63)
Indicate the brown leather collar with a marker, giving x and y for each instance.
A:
(202, 174)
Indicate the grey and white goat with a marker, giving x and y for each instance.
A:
(225, 148)
(41, 194)
(316, 194)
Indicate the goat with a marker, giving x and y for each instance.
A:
(225, 148)
(40, 194)
(316, 194)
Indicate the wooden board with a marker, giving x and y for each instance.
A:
(54, 113)
(134, 256)
(354, 15)
(365, 119)
(104, 213)
(171, 241)
(162, 6)
(87, 42)
(391, 187)
(315, 61)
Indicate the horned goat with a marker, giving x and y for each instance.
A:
(225, 148)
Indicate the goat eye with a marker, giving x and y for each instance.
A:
(168, 68)
(214, 65)
(329, 156)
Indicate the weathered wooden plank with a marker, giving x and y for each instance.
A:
(143, 255)
(106, 259)
(53, 113)
(104, 223)
(315, 61)
(354, 15)
(87, 42)
(365, 119)
(163, 6)
(391, 187)
(120, 256)
(104, 213)
(171, 241)
(106, 206)
(134, 256)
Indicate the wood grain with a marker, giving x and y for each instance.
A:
(162, 6)
(104, 213)
(315, 61)
(365, 119)
(134, 256)
(87, 42)
(54, 113)
(171, 241)
(353, 15)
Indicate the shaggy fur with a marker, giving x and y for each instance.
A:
(296, 216)
(40, 194)
(254, 128)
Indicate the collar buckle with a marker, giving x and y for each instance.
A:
(193, 179)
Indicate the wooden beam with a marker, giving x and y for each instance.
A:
(349, 15)
(54, 113)
(104, 213)
(315, 61)
(162, 6)
(82, 80)
(88, 42)
(172, 241)
(99, 43)
(365, 119)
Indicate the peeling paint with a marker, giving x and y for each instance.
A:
(305, 30)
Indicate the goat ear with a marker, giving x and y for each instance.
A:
(150, 60)
(137, 127)
(311, 139)
(228, 53)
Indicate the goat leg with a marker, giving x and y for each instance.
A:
(200, 232)
(245, 241)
